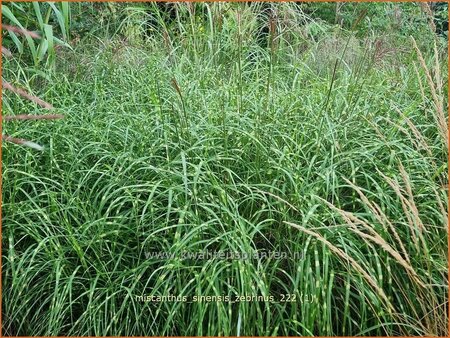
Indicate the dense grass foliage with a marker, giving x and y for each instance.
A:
(328, 147)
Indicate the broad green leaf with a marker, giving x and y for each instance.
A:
(48, 30)
(17, 42)
(7, 13)
(65, 8)
(43, 47)
(62, 43)
(37, 10)
(60, 19)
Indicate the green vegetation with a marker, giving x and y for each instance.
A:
(227, 130)
(37, 16)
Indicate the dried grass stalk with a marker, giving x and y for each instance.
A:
(32, 117)
(6, 52)
(380, 216)
(420, 139)
(22, 142)
(346, 257)
(405, 205)
(26, 95)
(21, 31)
(429, 13)
(435, 93)
(352, 220)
